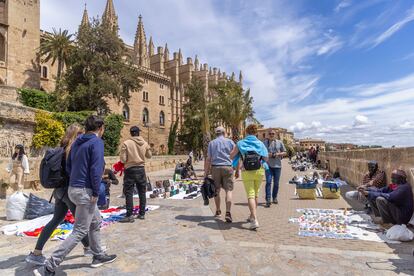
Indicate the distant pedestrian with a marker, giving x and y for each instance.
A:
(134, 153)
(191, 156)
(219, 164)
(253, 155)
(17, 168)
(84, 166)
(277, 151)
(62, 202)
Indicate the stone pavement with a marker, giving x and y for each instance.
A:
(183, 238)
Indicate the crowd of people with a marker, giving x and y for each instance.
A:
(250, 158)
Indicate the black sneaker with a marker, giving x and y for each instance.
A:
(228, 217)
(267, 204)
(127, 219)
(103, 259)
(43, 271)
(275, 201)
(140, 216)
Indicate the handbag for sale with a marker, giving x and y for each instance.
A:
(306, 190)
(330, 190)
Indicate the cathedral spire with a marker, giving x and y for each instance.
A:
(109, 16)
(180, 57)
(151, 47)
(196, 63)
(140, 45)
(241, 78)
(233, 76)
(85, 18)
(166, 53)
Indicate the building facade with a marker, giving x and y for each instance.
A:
(306, 144)
(284, 134)
(165, 76)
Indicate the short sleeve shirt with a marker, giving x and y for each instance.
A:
(219, 151)
(275, 146)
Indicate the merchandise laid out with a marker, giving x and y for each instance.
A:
(32, 228)
(179, 189)
(339, 224)
(313, 187)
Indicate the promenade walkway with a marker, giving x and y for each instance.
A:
(183, 238)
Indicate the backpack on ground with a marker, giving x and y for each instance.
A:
(51, 171)
(252, 161)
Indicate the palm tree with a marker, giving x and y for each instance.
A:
(56, 46)
(233, 106)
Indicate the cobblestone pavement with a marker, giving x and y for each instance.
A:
(183, 238)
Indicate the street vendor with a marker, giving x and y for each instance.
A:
(392, 204)
(374, 180)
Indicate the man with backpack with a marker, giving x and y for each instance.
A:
(219, 163)
(134, 152)
(85, 166)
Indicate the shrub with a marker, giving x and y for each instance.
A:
(36, 99)
(48, 131)
(68, 118)
(172, 136)
(112, 136)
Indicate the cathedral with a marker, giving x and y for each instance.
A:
(165, 76)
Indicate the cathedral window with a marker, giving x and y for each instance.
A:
(162, 118)
(44, 72)
(145, 96)
(125, 112)
(145, 116)
(162, 100)
(162, 86)
(2, 48)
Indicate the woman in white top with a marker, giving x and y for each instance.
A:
(18, 166)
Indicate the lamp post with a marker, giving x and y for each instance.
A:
(147, 125)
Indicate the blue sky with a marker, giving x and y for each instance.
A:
(340, 70)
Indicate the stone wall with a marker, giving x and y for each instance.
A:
(353, 164)
(156, 163)
(17, 124)
(9, 94)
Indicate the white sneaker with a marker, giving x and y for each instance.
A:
(254, 224)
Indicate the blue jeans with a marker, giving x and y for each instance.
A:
(275, 174)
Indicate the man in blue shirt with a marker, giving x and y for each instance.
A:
(85, 166)
(219, 164)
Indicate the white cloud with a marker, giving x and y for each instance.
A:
(342, 5)
(407, 125)
(360, 120)
(332, 45)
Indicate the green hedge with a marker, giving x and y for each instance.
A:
(112, 135)
(68, 118)
(48, 131)
(36, 99)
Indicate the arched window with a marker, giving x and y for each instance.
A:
(2, 48)
(162, 118)
(125, 112)
(145, 116)
(44, 72)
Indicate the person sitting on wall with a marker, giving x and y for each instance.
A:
(374, 179)
(392, 204)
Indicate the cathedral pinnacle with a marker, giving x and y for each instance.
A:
(241, 78)
(196, 63)
(151, 47)
(109, 16)
(140, 45)
(85, 18)
(166, 53)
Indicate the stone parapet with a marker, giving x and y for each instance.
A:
(353, 164)
(9, 94)
(156, 163)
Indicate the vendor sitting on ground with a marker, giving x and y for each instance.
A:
(374, 179)
(392, 204)
(188, 171)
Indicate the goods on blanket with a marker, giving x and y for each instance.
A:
(400, 233)
(208, 190)
(331, 190)
(38, 207)
(16, 206)
(50, 171)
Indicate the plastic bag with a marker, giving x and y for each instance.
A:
(400, 233)
(411, 220)
(16, 206)
(38, 207)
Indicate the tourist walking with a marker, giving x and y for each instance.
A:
(17, 168)
(84, 166)
(134, 153)
(277, 151)
(253, 154)
(219, 165)
(62, 202)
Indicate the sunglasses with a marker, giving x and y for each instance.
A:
(272, 134)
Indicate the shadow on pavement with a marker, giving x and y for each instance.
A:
(212, 223)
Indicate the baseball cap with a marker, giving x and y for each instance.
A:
(220, 129)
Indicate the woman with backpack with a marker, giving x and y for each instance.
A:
(62, 202)
(18, 166)
(250, 156)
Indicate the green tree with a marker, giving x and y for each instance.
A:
(232, 106)
(172, 136)
(112, 135)
(195, 132)
(99, 69)
(56, 46)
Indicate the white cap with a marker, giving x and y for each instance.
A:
(220, 129)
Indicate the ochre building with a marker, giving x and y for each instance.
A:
(165, 75)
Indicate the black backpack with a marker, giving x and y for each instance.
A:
(208, 190)
(52, 174)
(252, 161)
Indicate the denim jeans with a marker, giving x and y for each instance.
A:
(135, 177)
(272, 173)
(87, 221)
